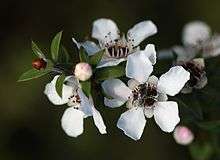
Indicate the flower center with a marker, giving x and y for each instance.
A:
(118, 48)
(74, 101)
(196, 72)
(145, 95)
(117, 51)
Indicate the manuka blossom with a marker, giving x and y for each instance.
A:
(198, 78)
(118, 47)
(80, 106)
(197, 41)
(147, 100)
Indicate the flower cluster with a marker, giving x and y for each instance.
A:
(125, 72)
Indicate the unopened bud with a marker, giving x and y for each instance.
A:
(183, 135)
(83, 71)
(39, 63)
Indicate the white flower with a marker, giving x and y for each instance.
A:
(80, 106)
(147, 100)
(197, 39)
(117, 47)
(198, 79)
(195, 33)
(83, 71)
(183, 135)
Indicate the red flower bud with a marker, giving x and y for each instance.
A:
(39, 63)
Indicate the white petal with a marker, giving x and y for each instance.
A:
(151, 53)
(116, 89)
(113, 103)
(72, 122)
(50, 91)
(110, 62)
(98, 121)
(212, 48)
(166, 115)
(148, 112)
(132, 83)
(196, 33)
(165, 54)
(184, 53)
(89, 46)
(105, 30)
(153, 80)
(141, 31)
(173, 81)
(139, 66)
(85, 105)
(132, 122)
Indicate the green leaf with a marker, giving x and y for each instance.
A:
(33, 73)
(212, 126)
(109, 72)
(95, 59)
(201, 151)
(83, 56)
(37, 51)
(86, 87)
(59, 84)
(64, 55)
(55, 46)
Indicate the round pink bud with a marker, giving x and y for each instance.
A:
(83, 71)
(183, 135)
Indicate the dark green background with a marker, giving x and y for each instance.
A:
(30, 124)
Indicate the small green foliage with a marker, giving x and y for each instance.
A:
(109, 73)
(37, 51)
(59, 84)
(33, 73)
(83, 56)
(201, 151)
(64, 56)
(86, 87)
(96, 58)
(55, 46)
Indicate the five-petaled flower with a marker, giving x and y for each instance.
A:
(197, 41)
(147, 99)
(118, 47)
(80, 106)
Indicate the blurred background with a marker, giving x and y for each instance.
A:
(30, 124)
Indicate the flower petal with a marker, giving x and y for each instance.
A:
(148, 112)
(166, 115)
(173, 81)
(132, 84)
(105, 30)
(132, 122)
(141, 31)
(139, 66)
(116, 89)
(113, 103)
(110, 62)
(98, 121)
(72, 122)
(151, 53)
(85, 105)
(50, 91)
(184, 53)
(212, 48)
(196, 33)
(90, 47)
